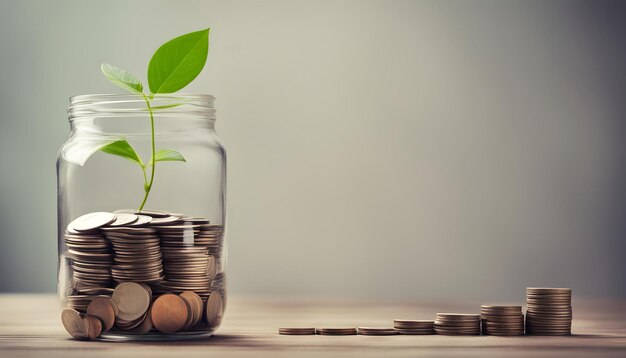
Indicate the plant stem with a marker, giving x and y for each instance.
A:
(148, 185)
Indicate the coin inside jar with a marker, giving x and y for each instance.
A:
(73, 323)
(169, 313)
(132, 300)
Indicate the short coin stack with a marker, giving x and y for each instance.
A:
(502, 320)
(457, 324)
(549, 311)
(347, 331)
(296, 331)
(414, 327)
(377, 331)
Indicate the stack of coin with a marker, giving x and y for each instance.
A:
(137, 254)
(502, 320)
(89, 252)
(211, 236)
(377, 331)
(190, 249)
(414, 327)
(348, 331)
(296, 331)
(80, 302)
(549, 311)
(457, 324)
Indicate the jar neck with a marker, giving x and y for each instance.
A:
(134, 114)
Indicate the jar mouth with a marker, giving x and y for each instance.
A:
(129, 105)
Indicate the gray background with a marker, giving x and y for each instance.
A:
(392, 150)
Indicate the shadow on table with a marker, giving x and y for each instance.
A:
(251, 341)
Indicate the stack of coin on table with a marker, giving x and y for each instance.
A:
(457, 324)
(549, 311)
(161, 253)
(414, 327)
(502, 320)
(377, 331)
(343, 331)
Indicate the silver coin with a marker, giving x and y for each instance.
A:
(91, 221)
(124, 219)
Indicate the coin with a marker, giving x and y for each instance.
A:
(93, 326)
(92, 221)
(164, 220)
(145, 326)
(153, 213)
(124, 219)
(296, 331)
(214, 309)
(102, 308)
(141, 221)
(169, 313)
(196, 304)
(73, 323)
(132, 300)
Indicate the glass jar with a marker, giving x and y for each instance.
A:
(146, 236)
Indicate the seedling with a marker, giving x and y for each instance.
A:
(172, 67)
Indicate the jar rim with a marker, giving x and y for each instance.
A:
(134, 104)
(120, 96)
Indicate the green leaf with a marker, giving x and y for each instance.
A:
(167, 155)
(121, 78)
(123, 149)
(178, 62)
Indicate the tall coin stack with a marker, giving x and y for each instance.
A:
(457, 324)
(136, 254)
(89, 253)
(549, 311)
(502, 320)
(190, 249)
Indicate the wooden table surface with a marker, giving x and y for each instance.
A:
(30, 327)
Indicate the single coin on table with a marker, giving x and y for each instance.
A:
(132, 300)
(92, 221)
(169, 313)
(73, 323)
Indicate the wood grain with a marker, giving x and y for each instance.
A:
(30, 327)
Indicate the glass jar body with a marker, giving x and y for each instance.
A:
(157, 226)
